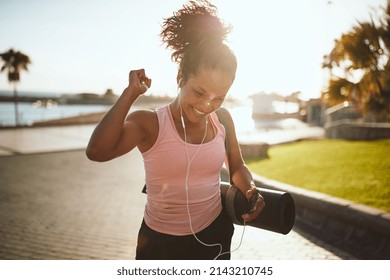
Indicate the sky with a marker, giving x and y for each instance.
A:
(91, 45)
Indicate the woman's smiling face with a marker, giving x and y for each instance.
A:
(204, 93)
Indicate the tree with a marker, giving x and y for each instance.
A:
(14, 62)
(359, 65)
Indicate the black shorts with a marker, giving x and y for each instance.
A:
(153, 245)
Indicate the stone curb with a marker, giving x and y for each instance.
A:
(362, 230)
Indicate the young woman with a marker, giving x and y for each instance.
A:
(182, 143)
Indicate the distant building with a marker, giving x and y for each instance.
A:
(110, 93)
(315, 112)
(107, 98)
(346, 121)
(274, 106)
(262, 103)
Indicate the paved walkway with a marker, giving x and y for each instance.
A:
(56, 204)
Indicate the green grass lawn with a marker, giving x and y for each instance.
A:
(353, 170)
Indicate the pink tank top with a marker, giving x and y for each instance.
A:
(165, 172)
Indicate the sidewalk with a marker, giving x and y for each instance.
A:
(56, 204)
(44, 139)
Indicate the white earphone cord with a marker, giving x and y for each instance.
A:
(187, 187)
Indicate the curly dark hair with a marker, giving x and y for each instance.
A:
(196, 35)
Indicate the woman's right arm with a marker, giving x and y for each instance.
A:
(115, 134)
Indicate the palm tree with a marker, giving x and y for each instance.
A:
(14, 62)
(362, 57)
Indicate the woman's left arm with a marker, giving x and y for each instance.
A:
(239, 172)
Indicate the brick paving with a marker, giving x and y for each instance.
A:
(60, 205)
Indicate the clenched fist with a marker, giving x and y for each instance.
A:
(139, 81)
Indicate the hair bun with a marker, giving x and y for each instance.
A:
(191, 26)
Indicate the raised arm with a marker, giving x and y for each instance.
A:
(115, 134)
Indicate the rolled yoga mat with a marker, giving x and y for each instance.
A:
(277, 216)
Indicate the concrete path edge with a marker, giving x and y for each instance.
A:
(360, 229)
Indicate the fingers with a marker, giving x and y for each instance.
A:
(147, 82)
(139, 80)
(252, 196)
(251, 192)
(257, 209)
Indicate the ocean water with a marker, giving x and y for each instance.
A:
(30, 113)
(248, 129)
(33, 112)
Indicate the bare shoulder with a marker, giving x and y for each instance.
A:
(145, 119)
(143, 113)
(147, 123)
(225, 117)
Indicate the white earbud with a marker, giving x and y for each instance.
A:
(181, 117)
(182, 121)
